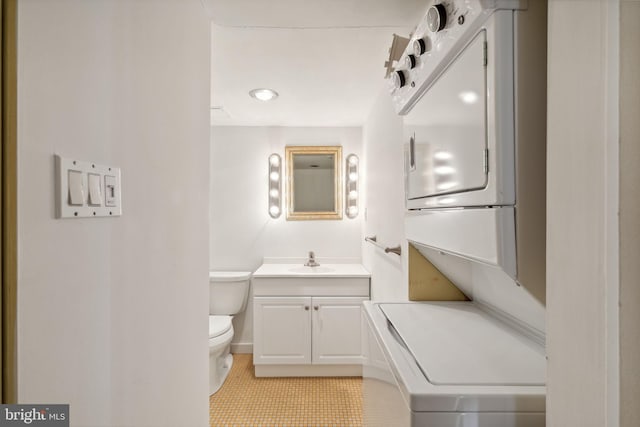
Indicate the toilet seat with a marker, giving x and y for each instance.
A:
(218, 325)
(229, 276)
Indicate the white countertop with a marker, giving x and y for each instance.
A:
(299, 270)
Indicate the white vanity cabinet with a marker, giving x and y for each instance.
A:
(336, 330)
(282, 330)
(308, 325)
(303, 330)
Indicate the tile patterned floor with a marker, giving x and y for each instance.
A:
(247, 401)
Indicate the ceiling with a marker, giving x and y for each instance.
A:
(325, 58)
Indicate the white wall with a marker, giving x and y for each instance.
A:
(112, 312)
(582, 231)
(384, 198)
(242, 232)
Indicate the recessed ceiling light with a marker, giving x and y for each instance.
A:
(263, 94)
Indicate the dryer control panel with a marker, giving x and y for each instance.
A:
(444, 30)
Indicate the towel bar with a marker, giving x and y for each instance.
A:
(374, 240)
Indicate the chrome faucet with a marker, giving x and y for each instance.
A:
(311, 262)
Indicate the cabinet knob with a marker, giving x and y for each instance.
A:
(315, 307)
(306, 307)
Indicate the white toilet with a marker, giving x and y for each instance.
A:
(228, 292)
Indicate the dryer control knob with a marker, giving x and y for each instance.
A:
(410, 62)
(436, 18)
(399, 80)
(421, 46)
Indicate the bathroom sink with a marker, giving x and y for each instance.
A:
(311, 270)
(327, 271)
(275, 279)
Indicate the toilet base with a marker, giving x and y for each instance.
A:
(220, 359)
(218, 371)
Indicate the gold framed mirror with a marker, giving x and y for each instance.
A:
(314, 182)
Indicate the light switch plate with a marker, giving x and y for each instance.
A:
(93, 192)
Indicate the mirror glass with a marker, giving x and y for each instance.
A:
(313, 182)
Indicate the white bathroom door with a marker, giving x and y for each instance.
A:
(337, 330)
(282, 330)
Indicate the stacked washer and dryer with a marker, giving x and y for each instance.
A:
(471, 88)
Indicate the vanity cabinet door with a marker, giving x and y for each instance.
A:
(337, 330)
(282, 330)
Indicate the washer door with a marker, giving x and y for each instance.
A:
(456, 343)
(446, 130)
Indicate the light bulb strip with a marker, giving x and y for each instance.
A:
(275, 185)
(351, 186)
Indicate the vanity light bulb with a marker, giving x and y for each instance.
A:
(353, 211)
(353, 176)
(274, 161)
(353, 160)
(273, 193)
(274, 210)
(353, 194)
(274, 176)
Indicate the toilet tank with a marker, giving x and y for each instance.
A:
(228, 291)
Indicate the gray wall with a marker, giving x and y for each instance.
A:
(582, 207)
(112, 312)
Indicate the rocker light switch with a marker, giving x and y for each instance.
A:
(95, 198)
(76, 188)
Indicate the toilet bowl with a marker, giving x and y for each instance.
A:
(228, 292)
(220, 358)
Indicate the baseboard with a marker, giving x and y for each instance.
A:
(308, 370)
(242, 347)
